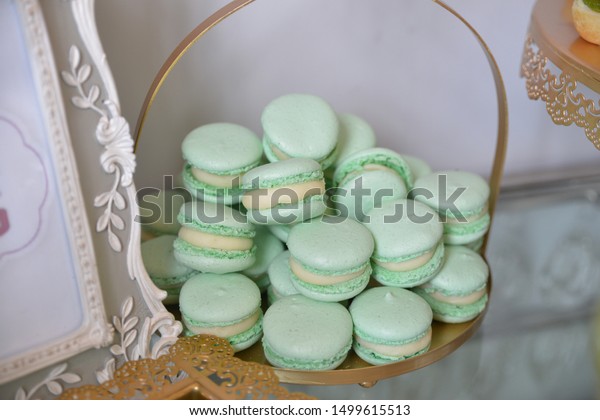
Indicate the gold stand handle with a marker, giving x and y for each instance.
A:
(234, 6)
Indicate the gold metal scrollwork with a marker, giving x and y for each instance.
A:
(563, 104)
(195, 366)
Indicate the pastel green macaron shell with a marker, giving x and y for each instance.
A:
(304, 334)
(438, 190)
(464, 272)
(280, 276)
(300, 125)
(389, 316)
(219, 149)
(331, 245)
(267, 248)
(165, 271)
(355, 135)
(357, 196)
(219, 300)
(360, 161)
(212, 300)
(217, 220)
(222, 148)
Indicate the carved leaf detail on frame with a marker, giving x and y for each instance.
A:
(108, 372)
(118, 159)
(51, 382)
(113, 133)
(145, 347)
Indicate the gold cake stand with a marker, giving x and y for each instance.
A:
(446, 337)
(552, 37)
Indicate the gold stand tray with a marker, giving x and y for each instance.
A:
(446, 337)
(553, 33)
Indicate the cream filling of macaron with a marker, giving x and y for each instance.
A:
(209, 240)
(467, 219)
(266, 198)
(401, 350)
(408, 265)
(227, 330)
(459, 300)
(222, 181)
(320, 279)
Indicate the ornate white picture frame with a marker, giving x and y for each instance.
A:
(84, 164)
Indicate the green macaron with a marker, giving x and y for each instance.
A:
(280, 276)
(214, 238)
(355, 135)
(267, 248)
(300, 126)
(304, 334)
(165, 271)
(461, 199)
(216, 156)
(374, 159)
(408, 242)
(225, 305)
(285, 192)
(329, 258)
(390, 324)
(458, 293)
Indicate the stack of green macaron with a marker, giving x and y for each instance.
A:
(389, 239)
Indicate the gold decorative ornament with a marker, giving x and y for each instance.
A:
(446, 337)
(196, 367)
(563, 104)
(553, 33)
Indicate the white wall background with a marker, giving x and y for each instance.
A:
(406, 66)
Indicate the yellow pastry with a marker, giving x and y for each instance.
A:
(586, 16)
